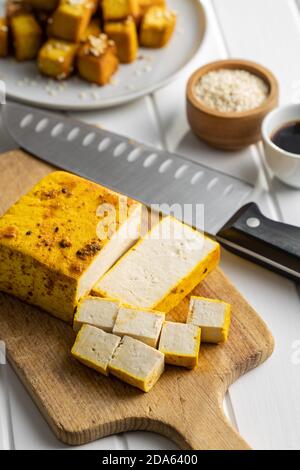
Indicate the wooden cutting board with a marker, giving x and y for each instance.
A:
(81, 405)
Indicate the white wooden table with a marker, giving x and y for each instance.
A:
(265, 404)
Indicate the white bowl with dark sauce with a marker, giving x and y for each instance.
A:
(281, 138)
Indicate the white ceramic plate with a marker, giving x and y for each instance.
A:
(154, 69)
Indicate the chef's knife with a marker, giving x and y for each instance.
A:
(159, 178)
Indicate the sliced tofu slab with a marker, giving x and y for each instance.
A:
(212, 316)
(139, 324)
(95, 348)
(98, 312)
(180, 343)
(161, 269)
(137, 364)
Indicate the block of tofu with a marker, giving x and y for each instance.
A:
(94, 311)
(162, 268)
(139, 324)
(45, 5)
(137, 364)
(146, 4)
(119, 9)
(93, 29)
(71, 18)
(180, 343)
(57, 240)
(26, 36)
(212, 316)
(56, 58)
(97, 59)
(3, 37)
(157, 27)
(95, 348)
(124, 34)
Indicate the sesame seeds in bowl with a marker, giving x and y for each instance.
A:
(227, 101)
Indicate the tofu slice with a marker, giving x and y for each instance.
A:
(180, 343)
(94, 311)
(139, 324)
(59, 238)
(212, 316)
(162, 268)
(137, 364)
(95, 348)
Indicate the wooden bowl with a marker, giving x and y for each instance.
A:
(233, 130)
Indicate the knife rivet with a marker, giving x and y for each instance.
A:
(253, 222)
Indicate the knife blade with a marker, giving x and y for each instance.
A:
(161, 180)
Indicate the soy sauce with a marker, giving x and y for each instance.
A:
(288, 137)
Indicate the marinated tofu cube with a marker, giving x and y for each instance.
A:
(70, 19)
(180, 343)
(93, 29)
(56, 58)
(146, 4)
(212, 316)
(119, 9)
(157, 27)
(95, 348)
(45, 5)
(161, 269)
(98, 312)
(27, 36)
(97, 59)
(137, 364)
(3, 37)
(139, 324)
(124, 34)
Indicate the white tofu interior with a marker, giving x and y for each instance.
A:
(137, 359)
(142, 325)
(119, 243)
(179, 338)
(156, 264)
(98, 312)
(206, 314)
(95, 345)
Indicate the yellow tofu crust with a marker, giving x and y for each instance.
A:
(56, 58)
(70, 20)
(124, 34)
(220, 335)
(157, 27)
(146, 4)
(3, 37)
(176, 358)
(48, 240)
(27, 36)
(119, 9)
(97, 60)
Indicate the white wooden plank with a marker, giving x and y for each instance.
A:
(266, 401)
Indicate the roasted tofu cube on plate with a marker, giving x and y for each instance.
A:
(124, 34)
(119, 9)
(157, 27)
(27, 36)
(97, 59)
(56, 58)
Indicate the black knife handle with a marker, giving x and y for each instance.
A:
(273, 244)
